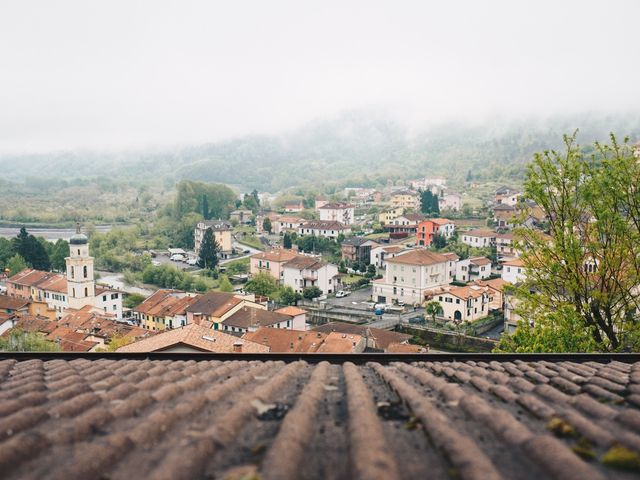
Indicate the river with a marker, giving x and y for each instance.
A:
(50, 234)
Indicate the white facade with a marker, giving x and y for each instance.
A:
(465, 304)
(323, 229)
(472, 269)
(514, 272)
(335, 212)
(409, 275)
(446, 229)
(479, 240)
(380, 255)
(322, 276)
(450, 201)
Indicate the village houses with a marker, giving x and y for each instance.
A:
(337, 212)
(74, 290)
(221, 232)
(305, 271)
(410, 275)
(478, 238)
(272, 262)
(389, 214)
(407, 199)
(321, 228)
(472, 269)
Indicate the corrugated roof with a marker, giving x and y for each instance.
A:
(183, 419)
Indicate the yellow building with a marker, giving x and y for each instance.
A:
(221, 232)
(390, 214)
(407, 199)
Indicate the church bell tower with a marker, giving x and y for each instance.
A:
(81, 286)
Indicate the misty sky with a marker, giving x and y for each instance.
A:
(114, 74)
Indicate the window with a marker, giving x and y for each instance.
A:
(73, 271)
(86, 292)
(104, 298)
(84, 271)
(114, 296)
(115, 308)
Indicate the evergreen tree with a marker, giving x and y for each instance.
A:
(209, 251)
(286, 241)
(266, 224)
(205, 207)
(38, 257)
(20, 243)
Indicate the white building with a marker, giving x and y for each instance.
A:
(287, 224)
(444, 227)
(410, 275)
(478, 238)
(325, 229)
(337, 212)
(379, 255)
(513, 271)
(450, 201)
(465, 304)
(303, 271)
(472, 269)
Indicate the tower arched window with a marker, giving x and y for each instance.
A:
(73, 272)
(84, 269)
(86, 292)
(73, 292)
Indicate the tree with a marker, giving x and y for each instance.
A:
(132, 300)
(16, 264)
(20, 341)
(266, 224)
(209, 251)
(288, 296)
(286, 241)
(311, 292)
(225, 284)
(38, 256)
(439, 241)
(59, 252)
(205, 207)
(429, 203)
(433, 308)
(558, 332)
(582, 278)
(262, 283)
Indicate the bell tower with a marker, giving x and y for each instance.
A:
(81, 286)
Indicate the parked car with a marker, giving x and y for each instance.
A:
(417, 320)
(192, 261)
(246, 251)
(155, 263)
(341, 294)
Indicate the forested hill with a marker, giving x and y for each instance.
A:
(352, 149)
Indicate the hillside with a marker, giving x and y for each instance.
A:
(354, 148)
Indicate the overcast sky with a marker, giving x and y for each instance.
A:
(112, 74)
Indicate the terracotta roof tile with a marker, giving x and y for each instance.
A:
(169, 418)
(195, 337)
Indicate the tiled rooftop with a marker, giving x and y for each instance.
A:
(122, 418)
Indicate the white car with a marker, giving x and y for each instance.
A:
(341, 294)
(177, 257)
(192, 261)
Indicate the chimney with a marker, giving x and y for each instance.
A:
(237, 347)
